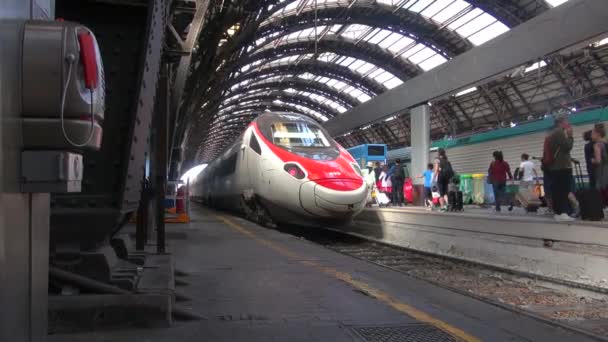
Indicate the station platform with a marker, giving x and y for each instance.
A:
(257, 284)
(575, 253)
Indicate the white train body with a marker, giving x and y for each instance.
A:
(288, 165)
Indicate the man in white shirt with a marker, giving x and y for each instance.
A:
(527, 172)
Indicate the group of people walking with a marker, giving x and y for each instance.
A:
(388, 180)
(557, 165)
(560, 190)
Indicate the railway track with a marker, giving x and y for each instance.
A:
(572, 308)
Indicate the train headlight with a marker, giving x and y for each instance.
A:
(294, 170)
(357, 169)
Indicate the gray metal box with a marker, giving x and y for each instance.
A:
(51, 171)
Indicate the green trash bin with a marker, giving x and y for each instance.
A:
(466, 186)
(479, 184)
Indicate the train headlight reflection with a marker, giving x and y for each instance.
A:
(294, 170)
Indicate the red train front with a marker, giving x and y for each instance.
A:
(286, 166)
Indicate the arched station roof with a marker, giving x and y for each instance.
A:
(324, 57)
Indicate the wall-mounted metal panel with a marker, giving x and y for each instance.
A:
(131, 49)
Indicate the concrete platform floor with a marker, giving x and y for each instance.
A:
(542, 215)
(257, 284)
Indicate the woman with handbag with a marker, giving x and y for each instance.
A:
(498, 173)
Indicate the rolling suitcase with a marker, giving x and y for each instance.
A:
(589, 199)
(528, 199)
(382, 199)
(455, 201)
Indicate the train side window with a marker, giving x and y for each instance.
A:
(254, 144)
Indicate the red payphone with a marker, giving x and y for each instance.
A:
(62, 89)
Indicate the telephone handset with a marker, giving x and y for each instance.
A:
(88, 58)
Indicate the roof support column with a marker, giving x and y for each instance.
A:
(420, 127)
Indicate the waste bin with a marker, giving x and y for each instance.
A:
(488, 191)
(479, 188)
(466, 186)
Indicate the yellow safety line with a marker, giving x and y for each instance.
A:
(362, 286)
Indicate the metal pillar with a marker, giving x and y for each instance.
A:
(24, 258)
(24, 218)
(161, 155)
(421, 140)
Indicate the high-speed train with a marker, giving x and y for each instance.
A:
(287, 167)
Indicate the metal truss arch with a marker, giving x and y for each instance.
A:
(299, 84)
(340, 46)
(292, 98)
(402, 21)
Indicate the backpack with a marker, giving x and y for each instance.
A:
(518, 174)
(399, 172)
(446, 171)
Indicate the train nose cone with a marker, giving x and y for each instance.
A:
(334, 198)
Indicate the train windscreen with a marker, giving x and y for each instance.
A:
(297, 135)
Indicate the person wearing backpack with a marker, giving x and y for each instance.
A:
(557, 160)
(398, 179)
(443, 173)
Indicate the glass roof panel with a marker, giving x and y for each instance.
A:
(432, 62)
(355, 92)
(414, 50)
(378, 36)
(365, 68)
(450, 11)
(335, 28)
(475, 25)
(323, 79)
(417, 6)
(436, 7)
(357, 64)
(383, 77)
(347, 61)
(422, 55)
(355, 31)
(339, 85)
(488, 33)
(393, 82)
(390, 40)
(465, 19)
(401, 44)
(364, 97)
